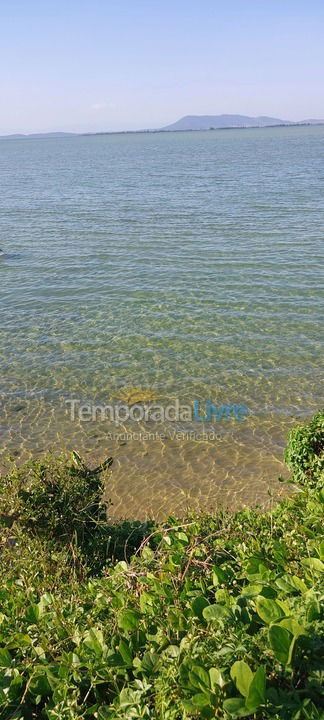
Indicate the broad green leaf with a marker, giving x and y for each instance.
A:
(183, 537)
(94, 640)
(172, 651)
(147, 553)
(5, 658)
(185, 643)
(32, 613)
(177, 619)
(251, 590)
(268, 610)
(285, 584)
(236, 707)
(39, 685)
(299, 584)
(200, 700)
(112, 660)
(212, 613)
(19, 640)
(313, 611)
(128, 697)
(314, 563)
(281, 642)
(242, 676)
(129, 620)
(146, 601)
(256, 570)
(39, 652)
(46, 599)
(187, 705)
(199, 677)
(149, 663)
(219, 576)
(216, 679)
(16, 686)
(125, 652)
(293, 626)
(198, 605)
(257, 690)
(223, 597)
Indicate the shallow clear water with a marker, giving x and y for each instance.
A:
(185, 263)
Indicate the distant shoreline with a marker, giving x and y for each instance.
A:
(63, 135)
(202, 130)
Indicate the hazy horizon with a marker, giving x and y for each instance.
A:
(172, 127)
(99, 67)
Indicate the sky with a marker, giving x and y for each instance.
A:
(88, 66)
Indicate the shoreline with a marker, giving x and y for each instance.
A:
(63, 135)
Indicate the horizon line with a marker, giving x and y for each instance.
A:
(68, 133)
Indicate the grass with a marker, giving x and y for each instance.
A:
(209, 616)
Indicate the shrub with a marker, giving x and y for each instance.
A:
(305, 452)
(54, 497)
(59, 500)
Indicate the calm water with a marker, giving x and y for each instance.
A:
(185, 263)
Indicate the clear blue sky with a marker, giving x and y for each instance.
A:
(84, 65)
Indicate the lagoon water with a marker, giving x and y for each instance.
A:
(186, 264)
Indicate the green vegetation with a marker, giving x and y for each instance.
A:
(211, 616)
(305, 452)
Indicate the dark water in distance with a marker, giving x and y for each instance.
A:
(184, 263)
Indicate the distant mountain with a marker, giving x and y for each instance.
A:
(189, 122)
(18, 136)
(211, 122)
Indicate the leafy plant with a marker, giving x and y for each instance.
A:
(305, 452)
(202, 617)
(54, 497)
